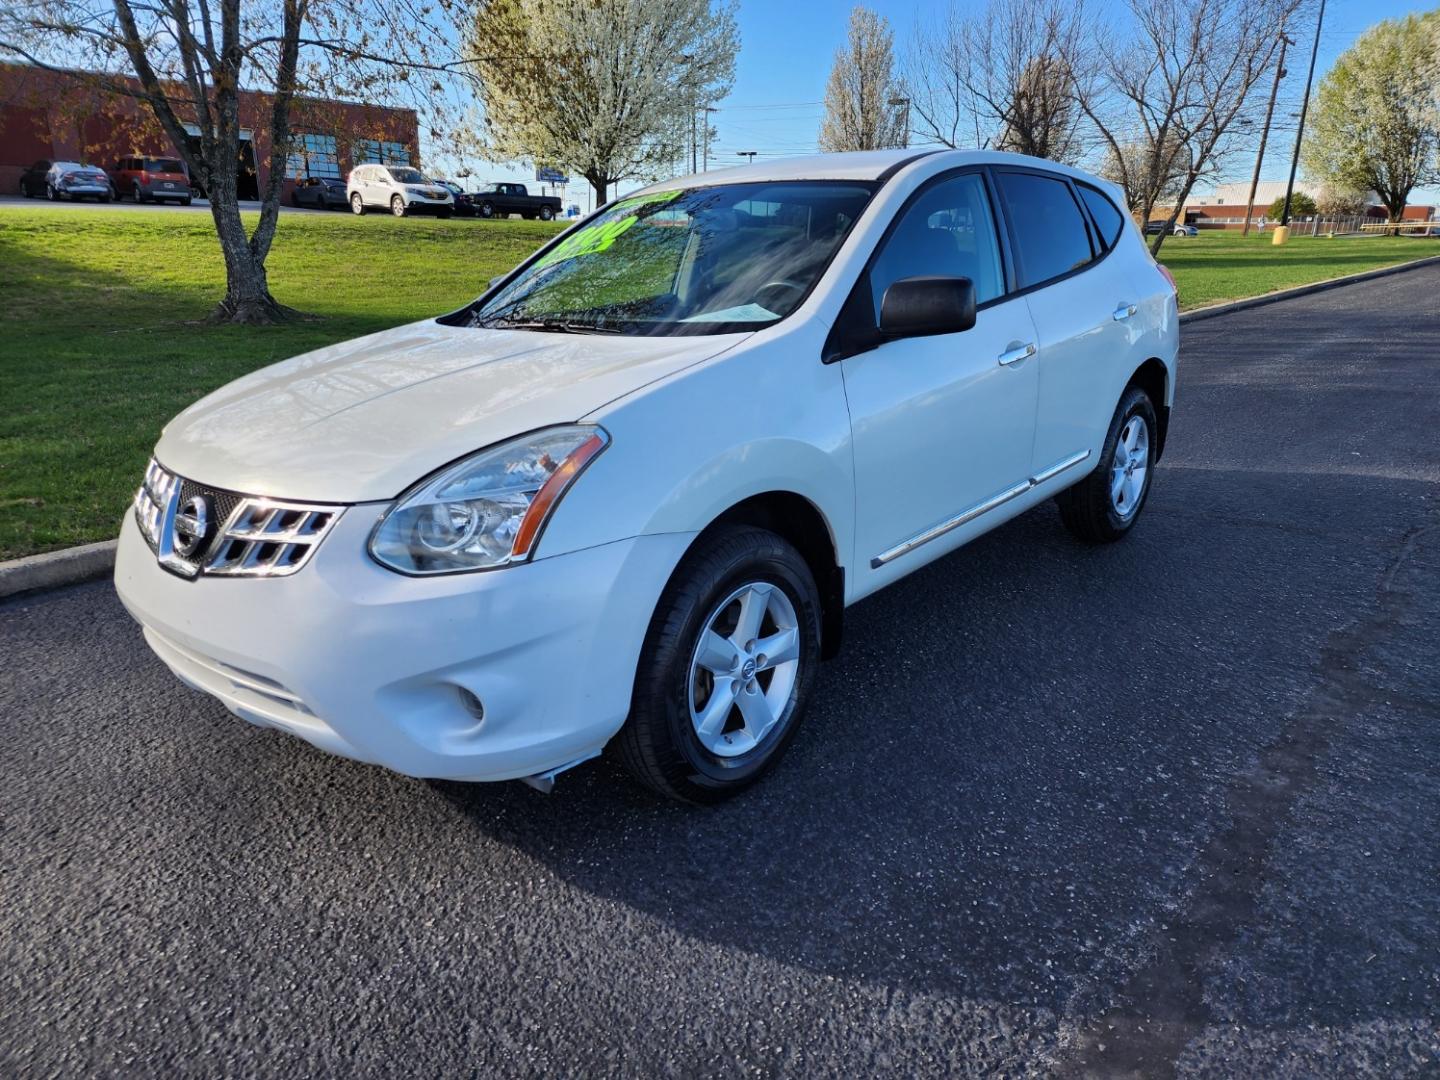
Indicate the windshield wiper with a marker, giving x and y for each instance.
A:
(556, 326)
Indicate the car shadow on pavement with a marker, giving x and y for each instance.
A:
(1007, 783)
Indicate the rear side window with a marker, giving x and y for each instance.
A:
(1050, 234)
(1107, 219)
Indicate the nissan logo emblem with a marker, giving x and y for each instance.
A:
(191, 525)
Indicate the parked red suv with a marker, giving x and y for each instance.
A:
(147, 179)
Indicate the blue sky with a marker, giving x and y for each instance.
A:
(787, 47)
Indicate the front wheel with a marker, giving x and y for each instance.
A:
(397, 206)
(487, 210)
(1105, 505)
(357, 204)
(726, 668)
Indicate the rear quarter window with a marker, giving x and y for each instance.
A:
(1107, 217)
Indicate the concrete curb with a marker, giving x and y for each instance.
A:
(68, 566)
(1210, 312)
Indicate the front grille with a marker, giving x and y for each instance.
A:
(194, 529)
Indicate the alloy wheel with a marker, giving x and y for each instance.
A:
(1130, 467)
(744, 669)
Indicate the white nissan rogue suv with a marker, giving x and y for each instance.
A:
(626, 495)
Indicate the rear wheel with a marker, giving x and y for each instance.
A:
(726, 669)
(546, 213)
(1105, 505)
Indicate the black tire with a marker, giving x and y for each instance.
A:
(658, 743)
(547, 214)
(398, 207)
(1087, 509)
(51, 193)
(357, 205)
(185, 202)
(487, 210)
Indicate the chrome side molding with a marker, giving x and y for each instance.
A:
(970, 514)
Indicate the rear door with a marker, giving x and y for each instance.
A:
(1081, 302)
(942, 426)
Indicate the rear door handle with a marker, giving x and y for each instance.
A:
(1014, 356)
(1124, 311)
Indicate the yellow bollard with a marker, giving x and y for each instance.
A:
(1281, 234)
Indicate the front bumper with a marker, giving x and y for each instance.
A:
(375, 666)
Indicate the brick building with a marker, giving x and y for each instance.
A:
(50, 117)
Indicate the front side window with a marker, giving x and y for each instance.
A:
(707, 260)
(948, 231)
(1050, 234)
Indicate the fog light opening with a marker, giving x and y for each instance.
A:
(472, 704)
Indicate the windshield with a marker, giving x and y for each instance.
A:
(709, 260)
(408, 176)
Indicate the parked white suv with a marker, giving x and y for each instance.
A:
(398, 188)
(628, 493)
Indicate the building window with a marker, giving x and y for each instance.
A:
(312, 155)
(374, 152)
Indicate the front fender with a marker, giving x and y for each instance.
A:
(765, 416)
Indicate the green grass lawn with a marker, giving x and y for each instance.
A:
(1218, 266)
(101, 319)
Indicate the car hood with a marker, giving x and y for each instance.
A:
(366, 419)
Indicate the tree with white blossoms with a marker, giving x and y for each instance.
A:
(185, 62)
(609, 88)
(858, 110)
(1376, 119)
(1000, 79)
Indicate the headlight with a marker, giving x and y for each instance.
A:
(488, 510)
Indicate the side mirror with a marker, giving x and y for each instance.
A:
(922, 306)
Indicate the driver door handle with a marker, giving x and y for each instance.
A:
(1014, 356)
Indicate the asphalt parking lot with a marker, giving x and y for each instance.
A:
(1171, 807)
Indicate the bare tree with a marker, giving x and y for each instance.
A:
(860, 109)
(1164, 99)
(610, 88)
(1002, 80)
(186, 62)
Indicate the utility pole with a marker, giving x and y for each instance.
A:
(705, 151)
(1304, 108)
(1265, 134)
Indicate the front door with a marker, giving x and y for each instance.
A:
(943, 425)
